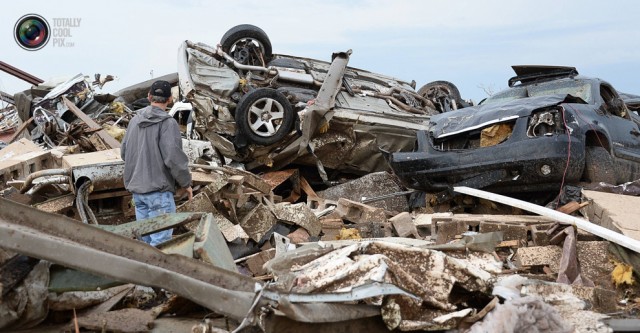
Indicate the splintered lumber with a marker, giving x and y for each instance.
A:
(109, 141)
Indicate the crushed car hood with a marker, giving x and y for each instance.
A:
(450, 123)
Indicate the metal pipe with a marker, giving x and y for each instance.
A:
(62, 240)
(7, 98)
(94, 259)
(49, 181)
(15, 182)
(223, 54)
(238, 65)
(82, 203)
(85, 202)
(80, 207)
(28, 182)
(20, 74)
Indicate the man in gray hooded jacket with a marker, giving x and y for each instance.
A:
(154, 162)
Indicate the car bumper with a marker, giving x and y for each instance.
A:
(521, 165)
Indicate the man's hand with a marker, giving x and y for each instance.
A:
(185, 190)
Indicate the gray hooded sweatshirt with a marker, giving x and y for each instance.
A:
(152, 153)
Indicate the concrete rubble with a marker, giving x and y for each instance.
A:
(289, 236)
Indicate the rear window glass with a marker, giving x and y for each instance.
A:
(574, 88)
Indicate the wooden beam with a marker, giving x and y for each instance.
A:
(595, 229)
(20, 130)
(108, 140)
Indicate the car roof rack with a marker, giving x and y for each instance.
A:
(528, 73)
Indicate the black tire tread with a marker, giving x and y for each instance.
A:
(599, 166)
(452, 87)
(243, 31)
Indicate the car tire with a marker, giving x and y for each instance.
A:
(236, 41)
(443, 92)
(599, 166)
(264, 116)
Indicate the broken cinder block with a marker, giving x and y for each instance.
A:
(539, 256)
(447, 231)
(22, 158)
(371, 185)
(509, 231)
(360, 213)
(199, 203)
(299, 236)
(374, 229)
(257, 222)
(403, 224)
(298, 214)
(230, 231)
(595, 263)
(539, 234)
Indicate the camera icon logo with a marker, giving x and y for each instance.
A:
(32, 32)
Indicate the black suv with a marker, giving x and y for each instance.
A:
(551, 126)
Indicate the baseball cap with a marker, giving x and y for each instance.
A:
(160, 88)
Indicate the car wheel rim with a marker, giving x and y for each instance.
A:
(246, 50)
(265, 117)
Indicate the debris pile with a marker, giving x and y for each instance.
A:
(312, 231)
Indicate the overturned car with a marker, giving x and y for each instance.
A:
(550, 127)
(268, 109)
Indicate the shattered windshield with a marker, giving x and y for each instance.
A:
(571, 87)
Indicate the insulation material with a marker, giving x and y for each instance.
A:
(349, 233)
(622, 274)
(527, 314)
(115, 131)
(495, 134)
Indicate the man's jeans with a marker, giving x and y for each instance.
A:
(154, 204)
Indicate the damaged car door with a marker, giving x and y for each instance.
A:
(624, 133)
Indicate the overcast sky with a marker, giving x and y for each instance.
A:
(470, 43)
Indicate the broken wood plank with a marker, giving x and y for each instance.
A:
(509, 243)
(304, 184)
(19, 131)
(108, 140)
(571, 207)
(597, 230)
